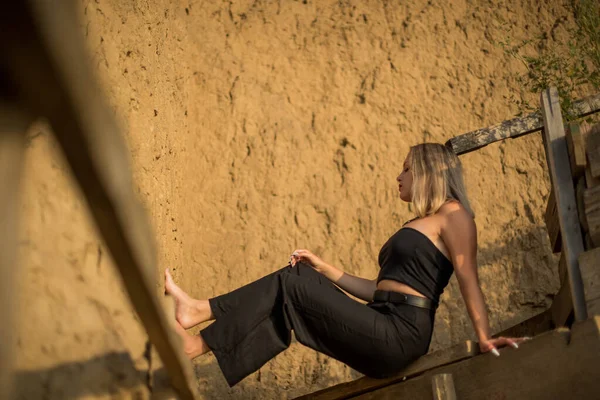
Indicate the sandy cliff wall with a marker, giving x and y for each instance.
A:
(259, 127)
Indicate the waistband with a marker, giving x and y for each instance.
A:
(403, 298)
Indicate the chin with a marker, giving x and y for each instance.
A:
(405, 198)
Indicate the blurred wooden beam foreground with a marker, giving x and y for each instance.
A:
(13, 123)
(44, 71)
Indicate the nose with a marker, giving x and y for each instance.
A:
(398, 178)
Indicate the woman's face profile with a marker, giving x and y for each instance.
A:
(405, 181)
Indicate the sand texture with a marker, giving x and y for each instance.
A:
(258, 127)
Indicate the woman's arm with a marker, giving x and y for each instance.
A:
(459, 234)
(356, 286)
(360, 287)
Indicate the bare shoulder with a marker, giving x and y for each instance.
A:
(456, 217)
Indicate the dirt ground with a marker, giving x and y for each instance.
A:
(258, 127)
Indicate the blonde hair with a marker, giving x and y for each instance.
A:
(437, 178)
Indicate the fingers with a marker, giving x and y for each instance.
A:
(298, 255)
(302, 255)
(502, 341)
(494, 344)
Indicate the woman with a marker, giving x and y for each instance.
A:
(254, 323)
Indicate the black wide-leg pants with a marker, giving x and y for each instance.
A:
(253, 324)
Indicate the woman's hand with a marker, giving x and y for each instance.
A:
(301, 255)
(492, 345)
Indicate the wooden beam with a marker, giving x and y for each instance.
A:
(576, 146)
(433, 360)
(515, 127)
(49, 65)
(442, 386)
(562, 184)
(13, 124)
(585, 128)
(590, 181)
(579, 195)
(591, 213)
(592, 148)
(552, 226)
(590, 272)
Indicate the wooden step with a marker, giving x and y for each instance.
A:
(429, 361)
(560, 364)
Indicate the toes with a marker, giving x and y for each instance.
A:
(168, 277)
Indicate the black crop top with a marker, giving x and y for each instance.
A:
(411, 258)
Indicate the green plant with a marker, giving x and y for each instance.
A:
(571, 67)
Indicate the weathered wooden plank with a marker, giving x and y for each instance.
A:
(579, 194)
(12, 147)
(590, 181)
(514, 128)
(562, 184)
(587, 241)
(576, 147)
(433, 360)
(552, 226)
(593, 307)
(442, 386)
(49, 65)
(589, 263)
(592, 148)
(591, 209)
(559, 364)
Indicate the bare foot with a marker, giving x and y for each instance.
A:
(193, 346)
(188, 311)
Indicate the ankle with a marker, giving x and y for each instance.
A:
(203, 309)
(194, 347)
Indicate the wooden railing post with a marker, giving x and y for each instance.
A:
(559, 168)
